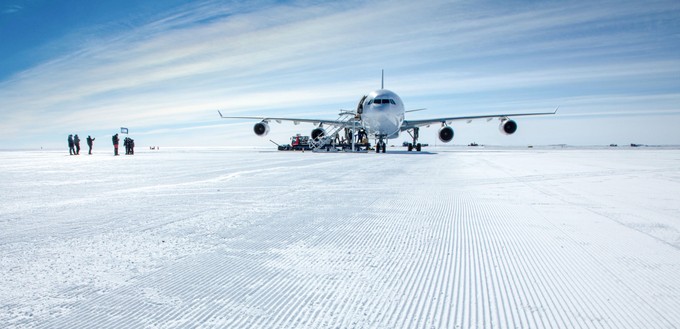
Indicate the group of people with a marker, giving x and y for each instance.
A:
(128, 142)
(74, 144)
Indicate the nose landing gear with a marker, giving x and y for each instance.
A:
(380, 145)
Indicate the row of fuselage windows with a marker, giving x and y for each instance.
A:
(382, 101)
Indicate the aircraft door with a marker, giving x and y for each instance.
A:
(360, 106)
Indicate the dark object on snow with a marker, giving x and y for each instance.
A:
(71, 150)
(129, 146)
(89, 143)
(76, 142)
(115, 141)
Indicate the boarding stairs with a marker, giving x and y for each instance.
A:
(326, 143)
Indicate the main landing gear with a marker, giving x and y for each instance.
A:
(415, 144)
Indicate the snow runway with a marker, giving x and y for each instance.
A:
(241, 238)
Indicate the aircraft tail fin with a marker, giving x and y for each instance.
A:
(382, 79)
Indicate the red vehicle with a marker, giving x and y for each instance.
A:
(297, 143)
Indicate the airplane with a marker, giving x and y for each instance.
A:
(381, 115)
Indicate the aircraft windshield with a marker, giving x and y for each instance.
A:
(382, 101)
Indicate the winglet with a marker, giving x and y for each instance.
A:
(222, 116)
(557, 108)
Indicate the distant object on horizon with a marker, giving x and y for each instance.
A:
(381, 115)
(613, 145)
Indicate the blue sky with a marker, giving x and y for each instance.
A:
(163, 68)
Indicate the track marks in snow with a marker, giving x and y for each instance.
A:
(458, 240)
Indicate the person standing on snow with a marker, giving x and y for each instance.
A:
(71, 150)
(76, 141)
(89, 143)
(115, 141)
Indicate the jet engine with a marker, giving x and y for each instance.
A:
(445, 134)
(508, 127)
(318, 133)
(261, 129)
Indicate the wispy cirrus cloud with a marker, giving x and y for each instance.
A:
(308, 57)
(11, 8)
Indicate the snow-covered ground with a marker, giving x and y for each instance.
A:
(453, 237)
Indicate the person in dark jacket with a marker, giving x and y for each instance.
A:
(129, 146)
(71, 150)
(115, 141)
(76, 141)
(89, 143)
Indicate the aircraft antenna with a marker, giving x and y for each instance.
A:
(382, 79)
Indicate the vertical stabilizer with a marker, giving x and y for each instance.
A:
(382, 79)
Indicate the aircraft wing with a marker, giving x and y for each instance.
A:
(294, 120)
(410, 124)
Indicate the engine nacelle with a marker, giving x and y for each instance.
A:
(261, 129)
(445, 134)
(318, 133)
(508, 127)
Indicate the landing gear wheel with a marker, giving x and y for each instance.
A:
(418, 147)
(384, 147)
(410, 147)
(377, 147)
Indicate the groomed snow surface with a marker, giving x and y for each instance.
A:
(452, 237)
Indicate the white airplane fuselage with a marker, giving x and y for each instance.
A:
(383, 114)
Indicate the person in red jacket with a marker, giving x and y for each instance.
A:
(115, 141)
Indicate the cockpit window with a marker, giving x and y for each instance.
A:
(382, 101)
